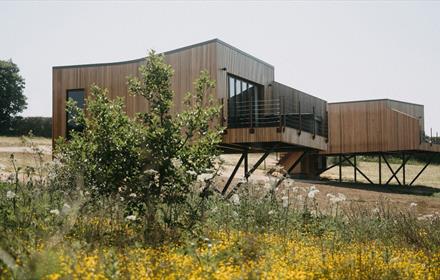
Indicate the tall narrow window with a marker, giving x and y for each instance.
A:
(76, 95)
(243, 102)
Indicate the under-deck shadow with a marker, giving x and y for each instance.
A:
(411, 190)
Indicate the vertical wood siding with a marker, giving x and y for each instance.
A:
(187, 64)
(371, 126)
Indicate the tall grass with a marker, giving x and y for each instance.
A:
(49, 229)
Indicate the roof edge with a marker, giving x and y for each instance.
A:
(373, 100)
(215, 40)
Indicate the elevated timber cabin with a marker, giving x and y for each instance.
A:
(260, 114)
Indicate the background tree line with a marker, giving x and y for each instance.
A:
(13, 102)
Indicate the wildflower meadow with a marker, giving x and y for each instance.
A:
(138, 198)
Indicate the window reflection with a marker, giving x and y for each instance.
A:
(76, 95)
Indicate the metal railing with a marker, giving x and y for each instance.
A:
(430, 139)
(263, 113)
(274, 113)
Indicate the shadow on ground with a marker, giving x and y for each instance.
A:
(413, 190)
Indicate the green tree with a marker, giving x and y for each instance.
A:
(12, 100)
(182, 146)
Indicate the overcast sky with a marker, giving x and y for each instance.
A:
(338, 51)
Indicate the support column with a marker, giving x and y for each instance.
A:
(380, 169)
(423, 169)
(355, 171)
(404, 169)
(340, 169)
(245, 154)
(233, 173)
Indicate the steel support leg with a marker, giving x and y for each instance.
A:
(331, 166)
(404, 169)
(393, 174)
(397, 171)
(354, 168)
(233, 173)
(258, 163)
(423, 169)
(360, 172)
(380, 169)
(340, 169)
(245, 164)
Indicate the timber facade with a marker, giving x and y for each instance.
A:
(260, 114)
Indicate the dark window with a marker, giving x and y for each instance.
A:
(243, 102)
(76, 95)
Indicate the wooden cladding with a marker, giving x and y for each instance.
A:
(371, 126)
(187, 64)
(353, 127)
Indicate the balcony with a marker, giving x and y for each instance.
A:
(289, 116)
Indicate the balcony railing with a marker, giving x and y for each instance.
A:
(274, 113)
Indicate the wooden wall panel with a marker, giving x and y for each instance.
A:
(187, 64)
(370, 126)
(242, 65)
(414, 110)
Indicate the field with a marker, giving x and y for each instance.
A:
(301, 230)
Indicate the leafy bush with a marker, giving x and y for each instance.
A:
(107, 152)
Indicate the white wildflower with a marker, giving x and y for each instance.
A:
(413, 204)
(66, 208)
(285, 200)
(205, 177)
(425, 217)
(191, 172)
(10, 194)
(235, 214)
(312, 192)
(150, 172)
(122, 199)
(132, 195)
(336, 198)
(177, 163)
(235, 199)
(131, 217)
(375, 210)
(271, 212)
(56, 212)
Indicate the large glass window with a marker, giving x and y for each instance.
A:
(77, 95)
(243, 102)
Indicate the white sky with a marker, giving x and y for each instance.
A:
(338, 51)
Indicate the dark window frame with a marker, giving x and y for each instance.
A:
(68, 129)
(257, 89)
